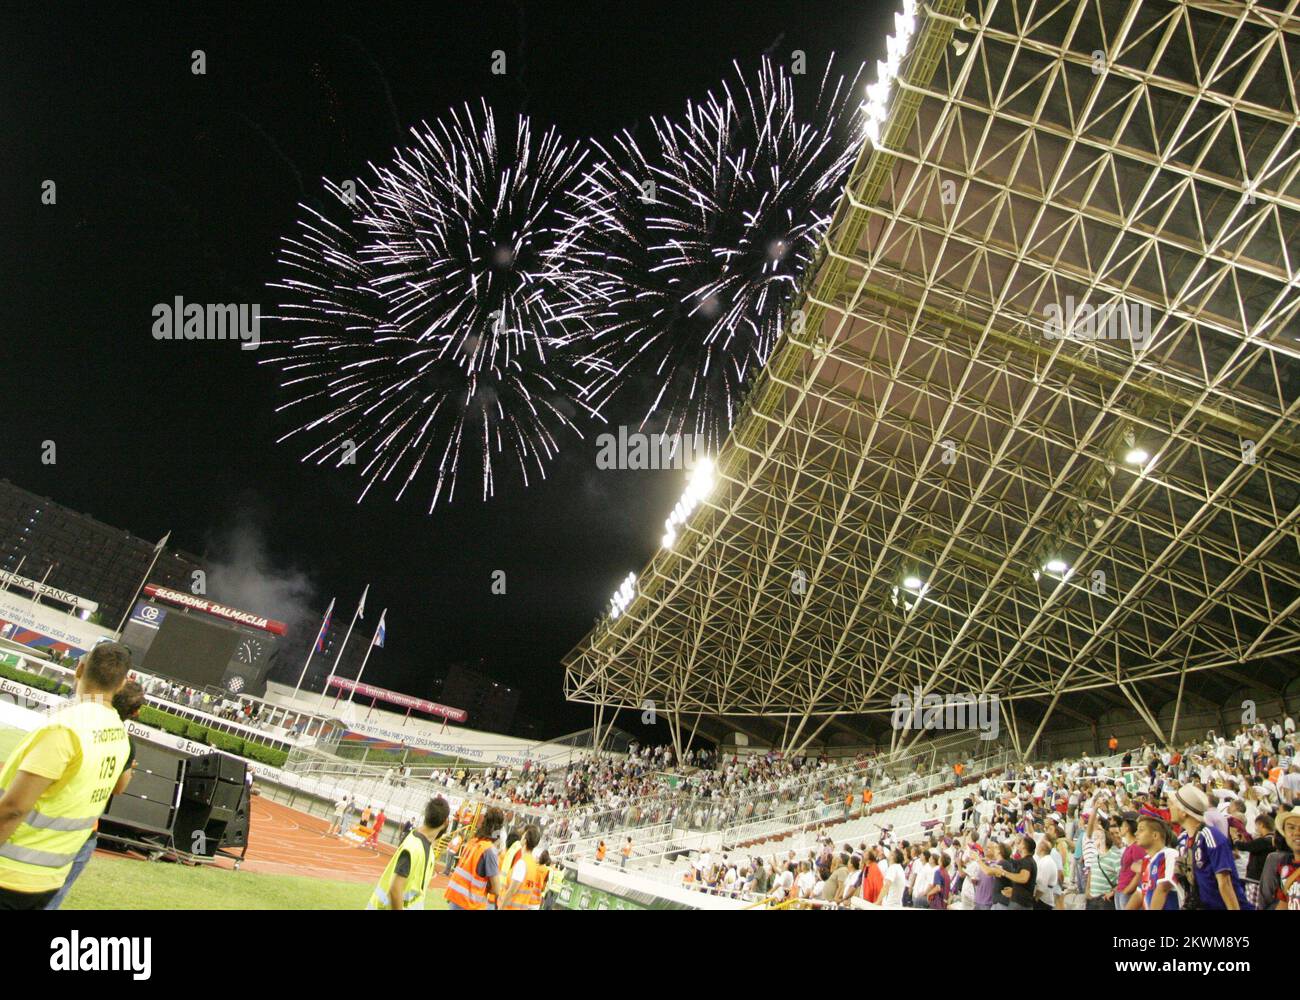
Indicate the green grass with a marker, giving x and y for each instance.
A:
(124, 884)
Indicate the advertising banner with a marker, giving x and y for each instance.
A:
(213, 608)
(397, 698)
(23, 620)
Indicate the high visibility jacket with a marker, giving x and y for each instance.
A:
(39, 854)
(417, 880)
(554, 878)
(509, 858)
(529, 894)
(468, 889)
(600, 852)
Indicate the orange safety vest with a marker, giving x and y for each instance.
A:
(467, 889)
(867, 796)
(600, 853)
(529, 894)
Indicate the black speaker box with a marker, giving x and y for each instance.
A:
(200, 790)
(226, 799)
(217, 765)
(149, 803)
(152, 815)
(236, 834)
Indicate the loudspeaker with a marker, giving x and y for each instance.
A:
(196, 832)
(236, 833)
(214, 809)
(199, 790)
(151, 815)
(226, 798)
(217, 765)
(149, 803)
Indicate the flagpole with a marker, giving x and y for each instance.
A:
(339, 657)
(320, 634)
(36, 594)
(4, 584)
(366, 658)
(157, 551)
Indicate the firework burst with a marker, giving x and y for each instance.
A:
(699, 236)
(433, 317)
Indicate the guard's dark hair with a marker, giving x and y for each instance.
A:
(106, 666)
(436, 812)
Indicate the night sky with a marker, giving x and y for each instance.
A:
(174, 184)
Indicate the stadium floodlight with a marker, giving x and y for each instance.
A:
(700, 486)
(623, 596)
(912, 582)
(897, 46)
(1137, 456)
(1058, 566)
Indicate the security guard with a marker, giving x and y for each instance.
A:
(514, 847)
(57, 782)
(554, 880)
(406, 879)
(476, 882)
(526, 879)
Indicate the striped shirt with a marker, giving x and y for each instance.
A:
(1105, 872)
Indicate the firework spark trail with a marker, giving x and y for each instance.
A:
(446, 322)
(700, 238)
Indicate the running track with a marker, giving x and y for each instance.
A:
(284, 841)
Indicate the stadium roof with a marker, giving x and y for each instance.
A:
(924, 420)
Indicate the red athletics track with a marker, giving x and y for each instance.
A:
(284, 841)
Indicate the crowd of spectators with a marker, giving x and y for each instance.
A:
(1213, 824)
(233, 709)
(596, 794)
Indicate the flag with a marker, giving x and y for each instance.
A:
(324, 627)
(361, 606)
(379, 632)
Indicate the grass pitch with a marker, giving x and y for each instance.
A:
(126, 884)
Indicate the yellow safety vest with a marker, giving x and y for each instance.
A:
(554, 878)
(39, 854)
(529, 894)
(417, 881)
(508, 860)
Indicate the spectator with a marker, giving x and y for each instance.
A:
(1217, 885)
(1280, 879)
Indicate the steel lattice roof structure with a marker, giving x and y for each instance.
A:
(923, 417)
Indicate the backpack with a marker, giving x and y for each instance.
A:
(1185, 878)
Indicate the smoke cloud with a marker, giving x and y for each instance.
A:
(242, 572)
